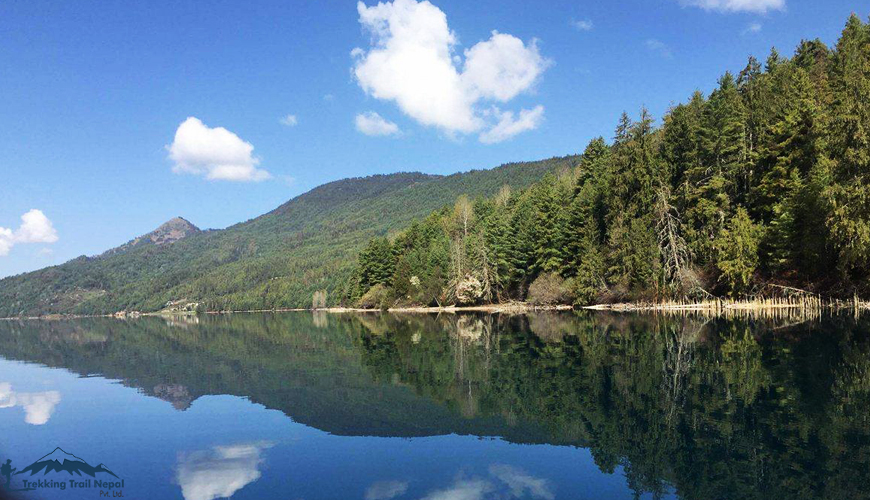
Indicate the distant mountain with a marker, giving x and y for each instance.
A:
(61, 461)
(276, 260)
(169, 232)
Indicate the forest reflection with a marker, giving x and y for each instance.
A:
(705, 407)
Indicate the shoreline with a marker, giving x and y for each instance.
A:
(512, 307)
(711, 306)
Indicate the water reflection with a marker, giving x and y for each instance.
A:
(38, 406)
(685, 405)
(463, 489)
(219, 471)
(385, 490)
(520, 483)
(502, 481)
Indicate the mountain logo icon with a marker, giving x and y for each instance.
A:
(61, 461)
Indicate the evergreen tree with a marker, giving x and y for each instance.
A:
(681, 141)
(784, 194)
(377, 263)
(495, 220)
(549, 197)
(720, 178)
(635, 171)
(848, 196)
(737, 249)
(767, 179)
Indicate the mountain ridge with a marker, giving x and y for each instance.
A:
(275, 260)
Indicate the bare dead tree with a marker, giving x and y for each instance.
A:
(463, 211)
(676, 258)
(504, 194)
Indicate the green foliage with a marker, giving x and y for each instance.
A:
(778, 157)
(377, 263)
(848, 196)
(737, 248)
(708, 409)
(277, 260)
(767, 178)
(377, 297)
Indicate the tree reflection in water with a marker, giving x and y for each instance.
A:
(706, 407)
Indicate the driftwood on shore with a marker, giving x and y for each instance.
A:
(804, 305)
(508, 307)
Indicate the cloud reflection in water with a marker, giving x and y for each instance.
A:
(385, 490)
(504, 481)
(38, 406)
(220, 471)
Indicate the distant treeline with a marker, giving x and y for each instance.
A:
(765, 181)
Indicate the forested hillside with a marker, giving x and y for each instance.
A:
(277, 260)
(761, 187)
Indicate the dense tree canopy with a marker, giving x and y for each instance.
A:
(766, 180)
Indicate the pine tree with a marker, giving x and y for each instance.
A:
(548, 198)
(737, 252)
(720, 180)
(377, 263)
(767, 179)
(583, 241)
(524, 241)
(848, 196)
(797, 146)
(681, 141)
(495, 219)
(635, 171)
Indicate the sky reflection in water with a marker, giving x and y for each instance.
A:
(295, 406)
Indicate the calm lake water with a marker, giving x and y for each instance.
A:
(376, 407)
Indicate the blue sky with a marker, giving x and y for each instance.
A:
(92, 94)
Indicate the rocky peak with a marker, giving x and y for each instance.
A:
(169, 232)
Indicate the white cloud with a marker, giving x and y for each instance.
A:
(502, 67)
(509, 126)
(219, 472)
(371, 123)
(38, 406)
(35, 228)
(289, 120)
(759, 6)
(6, 241)
(412, 63)
(752, 28)
(583, 25)
(385, 490)
(216, 153)
(659, 48)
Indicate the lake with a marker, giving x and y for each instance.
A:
(451, 407)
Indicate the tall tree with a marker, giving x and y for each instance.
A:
(720, 179)
(848, 196)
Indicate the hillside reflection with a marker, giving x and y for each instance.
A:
(707, 408)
